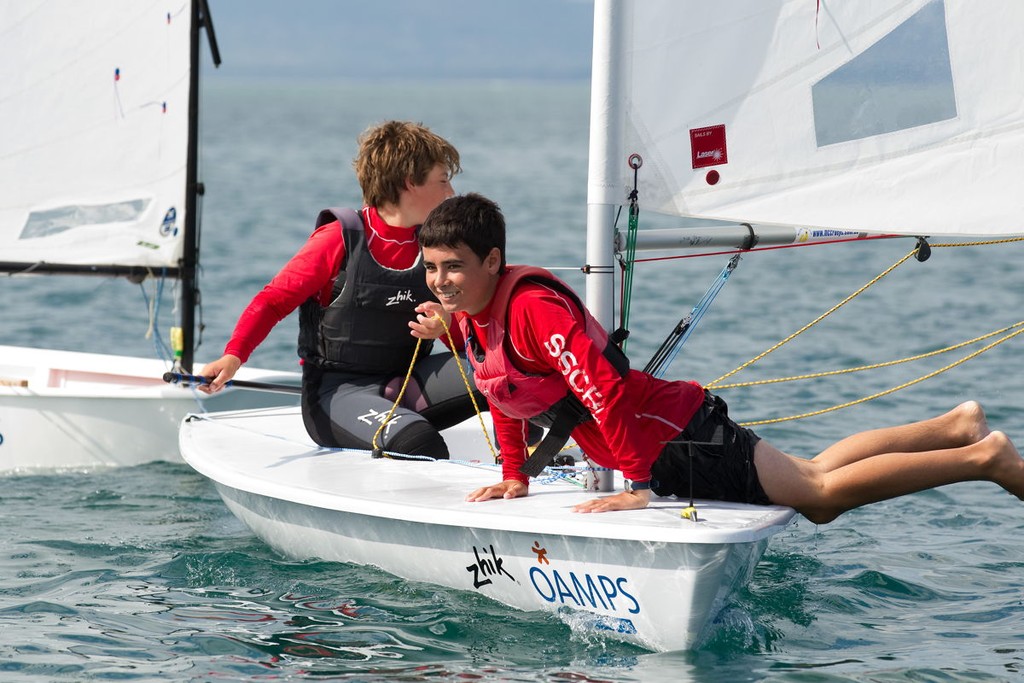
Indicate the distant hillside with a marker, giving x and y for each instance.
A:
(404, 39)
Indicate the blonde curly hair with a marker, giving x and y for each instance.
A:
(393, 152)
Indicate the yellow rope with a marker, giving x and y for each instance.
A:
(716, 383)
(469, 389)
(465, 381)
(713, 384)
(887, 391)
(979, 243)
(873, 366)
(472, 397)
(401, 393)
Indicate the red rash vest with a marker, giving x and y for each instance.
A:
(312, 271)
(634, 415)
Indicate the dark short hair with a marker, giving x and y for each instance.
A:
(470, 219)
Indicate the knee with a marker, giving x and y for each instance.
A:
(970, 423)
(819, 516)
(318, 424)
(418, 438)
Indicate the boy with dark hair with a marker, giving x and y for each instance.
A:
(534, 346)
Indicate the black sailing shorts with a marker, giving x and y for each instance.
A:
(720, 471)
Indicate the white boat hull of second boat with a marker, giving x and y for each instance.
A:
(70, 410)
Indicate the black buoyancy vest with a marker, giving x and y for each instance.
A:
(365, 328)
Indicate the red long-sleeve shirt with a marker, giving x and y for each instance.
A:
(312, 271)
(633, 415)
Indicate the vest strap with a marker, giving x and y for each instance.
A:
(569, 414)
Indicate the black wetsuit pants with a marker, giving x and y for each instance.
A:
(345, 410)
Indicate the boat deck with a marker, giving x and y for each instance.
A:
(233, 449)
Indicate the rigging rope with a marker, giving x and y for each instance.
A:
(670, 348)
(921, 251)
(873, 366)
(891, 390)
(635, 162)
(799, 245)
(712, 384)
(379, 452)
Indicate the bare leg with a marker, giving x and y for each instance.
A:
(822, 494)
(961, 426)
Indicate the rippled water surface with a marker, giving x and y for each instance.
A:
(143, 574)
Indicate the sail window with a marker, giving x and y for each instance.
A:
(902, 81)
(49, 222)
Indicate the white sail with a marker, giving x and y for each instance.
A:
(95, 137)
(94, 131)
(878, 116)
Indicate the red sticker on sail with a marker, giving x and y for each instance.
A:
(707, 146)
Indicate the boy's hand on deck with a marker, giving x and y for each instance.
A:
(627, 500)
(510, 488)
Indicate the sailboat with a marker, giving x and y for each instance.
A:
(762, 122)
(99, 130)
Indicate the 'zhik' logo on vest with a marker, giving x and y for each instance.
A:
(577, 379)
(400, 297)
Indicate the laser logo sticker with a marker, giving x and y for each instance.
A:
(707, 146)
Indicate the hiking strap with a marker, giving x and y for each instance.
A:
(569, 413)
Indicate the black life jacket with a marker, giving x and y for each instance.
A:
(365, 328)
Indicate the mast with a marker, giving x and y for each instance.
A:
(193, 188)
(603, 188)
(190, 247)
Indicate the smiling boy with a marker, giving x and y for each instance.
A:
(534, 348)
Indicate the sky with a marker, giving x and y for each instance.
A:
(403, 39)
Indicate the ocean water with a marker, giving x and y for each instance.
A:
(141, 574)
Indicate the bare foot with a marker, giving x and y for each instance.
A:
(1007, 465)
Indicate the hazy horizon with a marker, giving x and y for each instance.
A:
(396, 40)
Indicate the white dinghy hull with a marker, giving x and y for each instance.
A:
(68, 410)
(646, 576)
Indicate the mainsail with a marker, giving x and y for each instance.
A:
(804, 120)
(98, 139)
(95, 131)
(877, 116)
